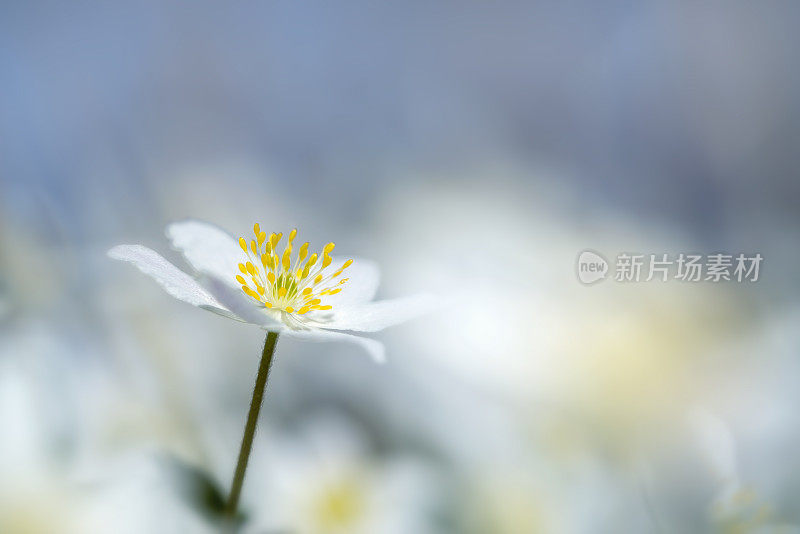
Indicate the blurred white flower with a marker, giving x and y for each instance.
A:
(322, 480)
(136, 493)
(256, 284)
(29, 478)
(520, 492)
(737, 506)
(52, 481)
(509, 502)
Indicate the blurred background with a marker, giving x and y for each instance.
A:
(473, 150)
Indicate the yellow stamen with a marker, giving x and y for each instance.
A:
(287, 257)
(251, 293)
(282, 283)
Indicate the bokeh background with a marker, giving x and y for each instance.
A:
(472, 149)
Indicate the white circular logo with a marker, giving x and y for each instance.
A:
(591, 267)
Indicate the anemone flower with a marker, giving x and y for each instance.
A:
(294, 292)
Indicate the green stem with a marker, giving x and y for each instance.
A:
(252, 421)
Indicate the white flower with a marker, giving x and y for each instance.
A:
(300, 295)
(321, 478)
(53, 478)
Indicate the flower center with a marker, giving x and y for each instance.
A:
(339, 506)
(276, 280)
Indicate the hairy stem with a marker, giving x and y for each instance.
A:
(252, 421)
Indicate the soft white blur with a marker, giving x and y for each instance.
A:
(472, 150)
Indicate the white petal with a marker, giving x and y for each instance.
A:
(174, 281)
(238, 303)
(374, 316)
(364, 277)
(208, 248)
(375, 348)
